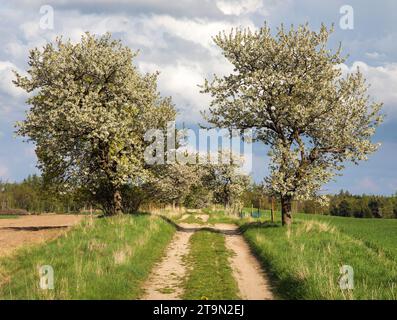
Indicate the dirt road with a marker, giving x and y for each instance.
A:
(252, 282)
(166, 279)
(28, 230)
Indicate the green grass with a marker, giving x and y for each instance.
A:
(304, 261)
(210, 276)
(378, 234)
(8, 216)
(105, 258)
(214, 217)
(221, 219)
(192, 218)
(219, 216)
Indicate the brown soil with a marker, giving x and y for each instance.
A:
(28, 230)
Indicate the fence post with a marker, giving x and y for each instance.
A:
(259, 208)
(272, 210)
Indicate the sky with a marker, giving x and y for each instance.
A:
(175, 38)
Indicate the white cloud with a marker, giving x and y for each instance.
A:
(382, 81)
(6, 77)
(375, 55)
(199, 31)
(30, 29)
(238, 7)
(181, 81)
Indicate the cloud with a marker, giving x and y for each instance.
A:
(181, 8)
(375, 55)
(197, 30)
(182, 81)
(383, 84)
(180, 48)
(238, 7)
(6, 77)
(11, 97)
(185, 55)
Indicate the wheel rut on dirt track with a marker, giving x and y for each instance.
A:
(164, 282)
(166, 278)
(252, 282)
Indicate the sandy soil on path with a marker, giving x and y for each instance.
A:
(165, 280)
(203, 217)
(252, 282)
(28, 230)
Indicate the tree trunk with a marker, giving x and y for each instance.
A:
(117, 202)
(286, 211)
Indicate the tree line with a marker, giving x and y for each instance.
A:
(189, 186)
(365, 206)
(33, 196)
(342, 204)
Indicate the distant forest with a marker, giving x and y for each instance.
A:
(342, 204)
(31, 196)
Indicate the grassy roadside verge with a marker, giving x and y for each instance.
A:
(305, 260)
(104, 258)
(210, 275)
